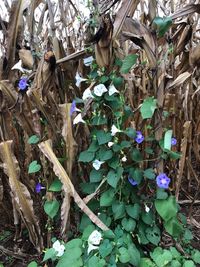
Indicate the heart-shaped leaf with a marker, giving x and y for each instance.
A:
(51, 208)
(34, 139)
(34, 167)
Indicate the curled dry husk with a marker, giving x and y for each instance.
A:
(20, 193)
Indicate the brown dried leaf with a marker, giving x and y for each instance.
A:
(178, 81)
(186, 10)
(194, 56)
(21, 195)
(14, 26)
(71, 145)
(126, 7)
(27, 58)
(184, 142)
(8, 93)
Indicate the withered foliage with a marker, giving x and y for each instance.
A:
(44, 37)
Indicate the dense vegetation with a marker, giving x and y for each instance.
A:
(99, 133)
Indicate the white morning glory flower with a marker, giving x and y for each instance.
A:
(97, 164)
(18, 66)
(100, 89)
(59, 248)
(88, 61)
(87, 94)
(112, 90)
(114, 130)
(147, 209)
(124, 159)
(94, 240)
(78, 119)
(110, 144)
(79, 79)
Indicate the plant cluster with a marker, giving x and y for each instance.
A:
(131, 197)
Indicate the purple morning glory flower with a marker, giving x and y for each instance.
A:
(173, 141)
(163, 181)
(39, 187)
(73, 107)
(22, 84)
(132, 181)
(139, 137)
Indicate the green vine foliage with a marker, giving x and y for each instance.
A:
(134, 200)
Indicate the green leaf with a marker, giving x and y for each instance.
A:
(96, 262)
(86, 156)
(136, 155)
(145, 262)
(104, 79)
(174, 155)
(105, 248)
(118, 81)
(34, 167)
(153, 235)
(103, 137)
(113, 177)
(166, 208)
(99, 120)
(93, 146)
(34, 139)
(134, 255)
(114, 162)
(162, 259)
(107, 198)
(168, 140)
(56, 186)
(105, 154)
(71, 258)
(161, 194)
(85, 222)
(148, 217)
(87, 231)
(77, 242)
(31, 264)
(148, 107)
(125, 144)
(49, 254)
(175, 253)
(149, 173)
(128, 224)
(128, 62)
(105, 219)
(136, 174)
(174, 227)
(109, 234)
(196, 256)
(175, 263)
(188, 263)
(124, 256)
(133, 211)
(130, 132)
(96, 176)
(51, 208)
(118, 210)
(163, 24)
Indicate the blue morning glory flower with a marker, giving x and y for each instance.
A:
(139, 137)
(173, 141)
(39, 187)
(22, 84)
(73, 107)
(163, 181)
(132, 181)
